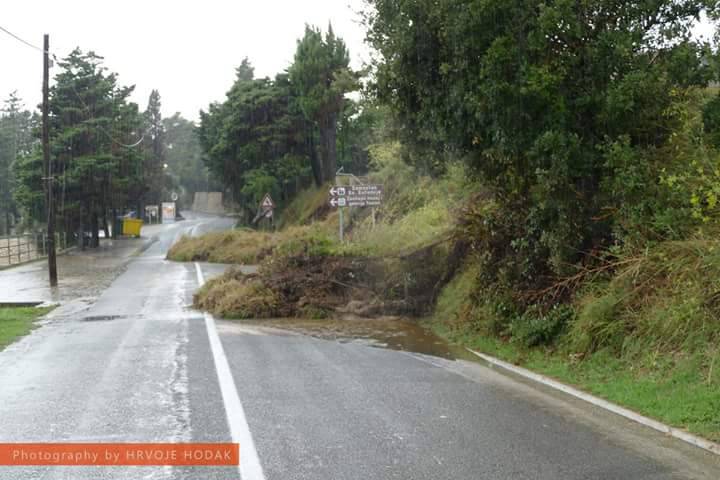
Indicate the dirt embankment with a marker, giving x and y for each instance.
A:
(320, 285)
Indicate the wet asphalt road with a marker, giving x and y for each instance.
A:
(137, 366)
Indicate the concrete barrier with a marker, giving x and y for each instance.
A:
(209, 202)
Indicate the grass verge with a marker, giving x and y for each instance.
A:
(678, 385)
(242, 246)
(17, 322)
(675, 396)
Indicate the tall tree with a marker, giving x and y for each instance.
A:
(253, 140)
(320, 77)
(245, 72)
(16, 140)
(92, 127)
(154, 166)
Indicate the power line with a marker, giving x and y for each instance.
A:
(72, 86)
(22, 40)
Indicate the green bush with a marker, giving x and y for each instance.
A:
(416, 229)
(312, 240)
(711, 121)
(597, 324)
(535, 328)
(308, 206)
(241, 246)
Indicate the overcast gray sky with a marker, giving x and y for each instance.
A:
(188, 50)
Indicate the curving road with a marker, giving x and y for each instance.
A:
(139, 365)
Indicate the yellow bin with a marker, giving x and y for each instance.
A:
(132, 226)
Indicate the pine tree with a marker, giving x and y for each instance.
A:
(253, 141)
(16, 140)
(154, 166)
(91, 124)
(320, 76)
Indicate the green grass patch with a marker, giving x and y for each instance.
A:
(242, 246)
(17, 322)
(308, 206)
(675, 393)
(418, 211)
(644, 333)
(249, 247)
(415, 230)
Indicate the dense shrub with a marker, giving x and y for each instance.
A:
(536, 328)
(564, 112)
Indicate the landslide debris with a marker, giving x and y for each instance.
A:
(319, 285)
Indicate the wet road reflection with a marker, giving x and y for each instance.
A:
(384, 332)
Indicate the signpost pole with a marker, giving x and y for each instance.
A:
(341, 224)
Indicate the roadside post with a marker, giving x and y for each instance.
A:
(48, 167)
(342, 226)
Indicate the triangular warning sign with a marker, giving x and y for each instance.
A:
(267, 203)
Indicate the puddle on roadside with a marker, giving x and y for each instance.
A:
(386, 332)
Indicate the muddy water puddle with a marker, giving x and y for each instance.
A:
(392, 333)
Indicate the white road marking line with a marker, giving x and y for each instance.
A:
(250, 468)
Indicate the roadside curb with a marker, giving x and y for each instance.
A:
(682, 435)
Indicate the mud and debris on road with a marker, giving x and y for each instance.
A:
(321, 286)
(395, 333)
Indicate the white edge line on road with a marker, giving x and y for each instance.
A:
(250, 468)
(604, 404)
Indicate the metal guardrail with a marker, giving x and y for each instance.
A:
(23, 248)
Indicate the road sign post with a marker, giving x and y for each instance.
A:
(342, 222)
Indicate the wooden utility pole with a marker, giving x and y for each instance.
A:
(49, 200)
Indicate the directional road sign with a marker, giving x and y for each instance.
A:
(356, 196)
